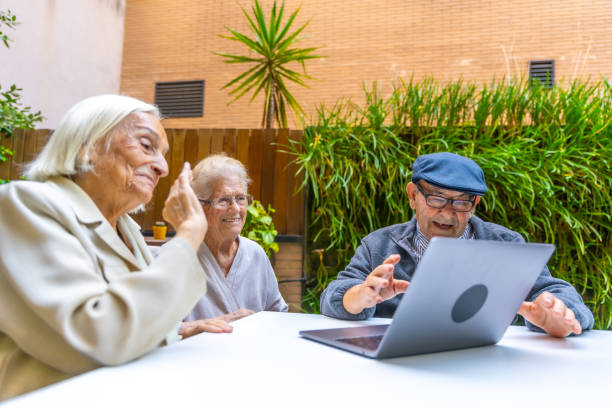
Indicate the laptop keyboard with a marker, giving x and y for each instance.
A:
(366, 342)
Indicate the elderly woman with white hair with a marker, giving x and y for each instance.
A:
(79, 288)
(239, 275)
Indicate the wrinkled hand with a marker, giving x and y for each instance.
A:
(551, 315)
(377, 287)
(183, 210)
(214, 325)
(238, 314)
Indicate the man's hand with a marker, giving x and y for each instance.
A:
(214, 325)
(551, 315)
(377, 287)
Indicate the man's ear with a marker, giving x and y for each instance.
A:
(477, 200)
(411, 190)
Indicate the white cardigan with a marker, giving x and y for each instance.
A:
(250, 283)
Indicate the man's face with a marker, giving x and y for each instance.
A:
(439, 222)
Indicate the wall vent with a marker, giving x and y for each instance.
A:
(543, 71)
(180, 99)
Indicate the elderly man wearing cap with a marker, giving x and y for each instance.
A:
(444, 191)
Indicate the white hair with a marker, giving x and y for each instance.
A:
(214, 168)
(68, 150)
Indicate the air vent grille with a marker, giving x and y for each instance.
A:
(543, 71)
(181, 99)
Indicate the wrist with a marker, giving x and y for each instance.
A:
(351, 301)
(193, 238)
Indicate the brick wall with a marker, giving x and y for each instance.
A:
(363, 41)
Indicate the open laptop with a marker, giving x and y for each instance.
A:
(464, 293)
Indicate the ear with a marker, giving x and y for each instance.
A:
(476, 201)
(411, 190)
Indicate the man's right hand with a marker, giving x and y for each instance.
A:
(377, 287)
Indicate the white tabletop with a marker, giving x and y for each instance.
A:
(264, 362)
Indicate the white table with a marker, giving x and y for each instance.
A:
(265, 363)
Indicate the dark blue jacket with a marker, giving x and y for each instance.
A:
(396, 239)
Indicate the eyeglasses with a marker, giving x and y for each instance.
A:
(223, 203)
(436, 201)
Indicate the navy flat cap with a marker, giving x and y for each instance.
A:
(450, 171)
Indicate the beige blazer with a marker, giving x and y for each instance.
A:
(73, 297)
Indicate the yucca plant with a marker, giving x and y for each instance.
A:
(273, 46)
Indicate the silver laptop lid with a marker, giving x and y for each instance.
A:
(464, 293)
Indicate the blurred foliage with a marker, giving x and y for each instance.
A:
(13, 115)
(260, 228)
(546, 154)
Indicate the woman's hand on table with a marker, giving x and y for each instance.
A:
(219, 324)
(238, 314)
(214, 325)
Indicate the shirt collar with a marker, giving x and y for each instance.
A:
(420, 241)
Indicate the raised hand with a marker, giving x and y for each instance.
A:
(551, 315)
(378, 286)
(183, 211)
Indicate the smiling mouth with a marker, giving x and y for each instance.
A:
(231, 219)
(442, 226)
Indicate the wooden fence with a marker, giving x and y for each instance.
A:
(273, 177)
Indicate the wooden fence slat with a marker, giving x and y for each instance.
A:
(42, 136)
(295, 200)
(17, 159)
(255, 161)
(280, 182)
(267, 171)
(216, 142)
(203, 143)
(242, 147)
(229, 142)
(191, 147)
(178, 153)
(29, 147)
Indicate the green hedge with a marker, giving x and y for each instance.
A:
(546, 155)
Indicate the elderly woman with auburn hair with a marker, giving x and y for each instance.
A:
(79, 288)
(239, 274)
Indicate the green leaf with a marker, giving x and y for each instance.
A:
(260, 228)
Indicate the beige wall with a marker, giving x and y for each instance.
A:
(364, 41)
(63, 51)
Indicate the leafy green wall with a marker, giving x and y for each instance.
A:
(546, 154)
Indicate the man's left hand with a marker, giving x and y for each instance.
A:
(551, 315)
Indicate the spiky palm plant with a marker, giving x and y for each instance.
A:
(273, 45)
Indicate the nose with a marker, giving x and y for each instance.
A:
(235, 204)
(160, 166)
(448, 208)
